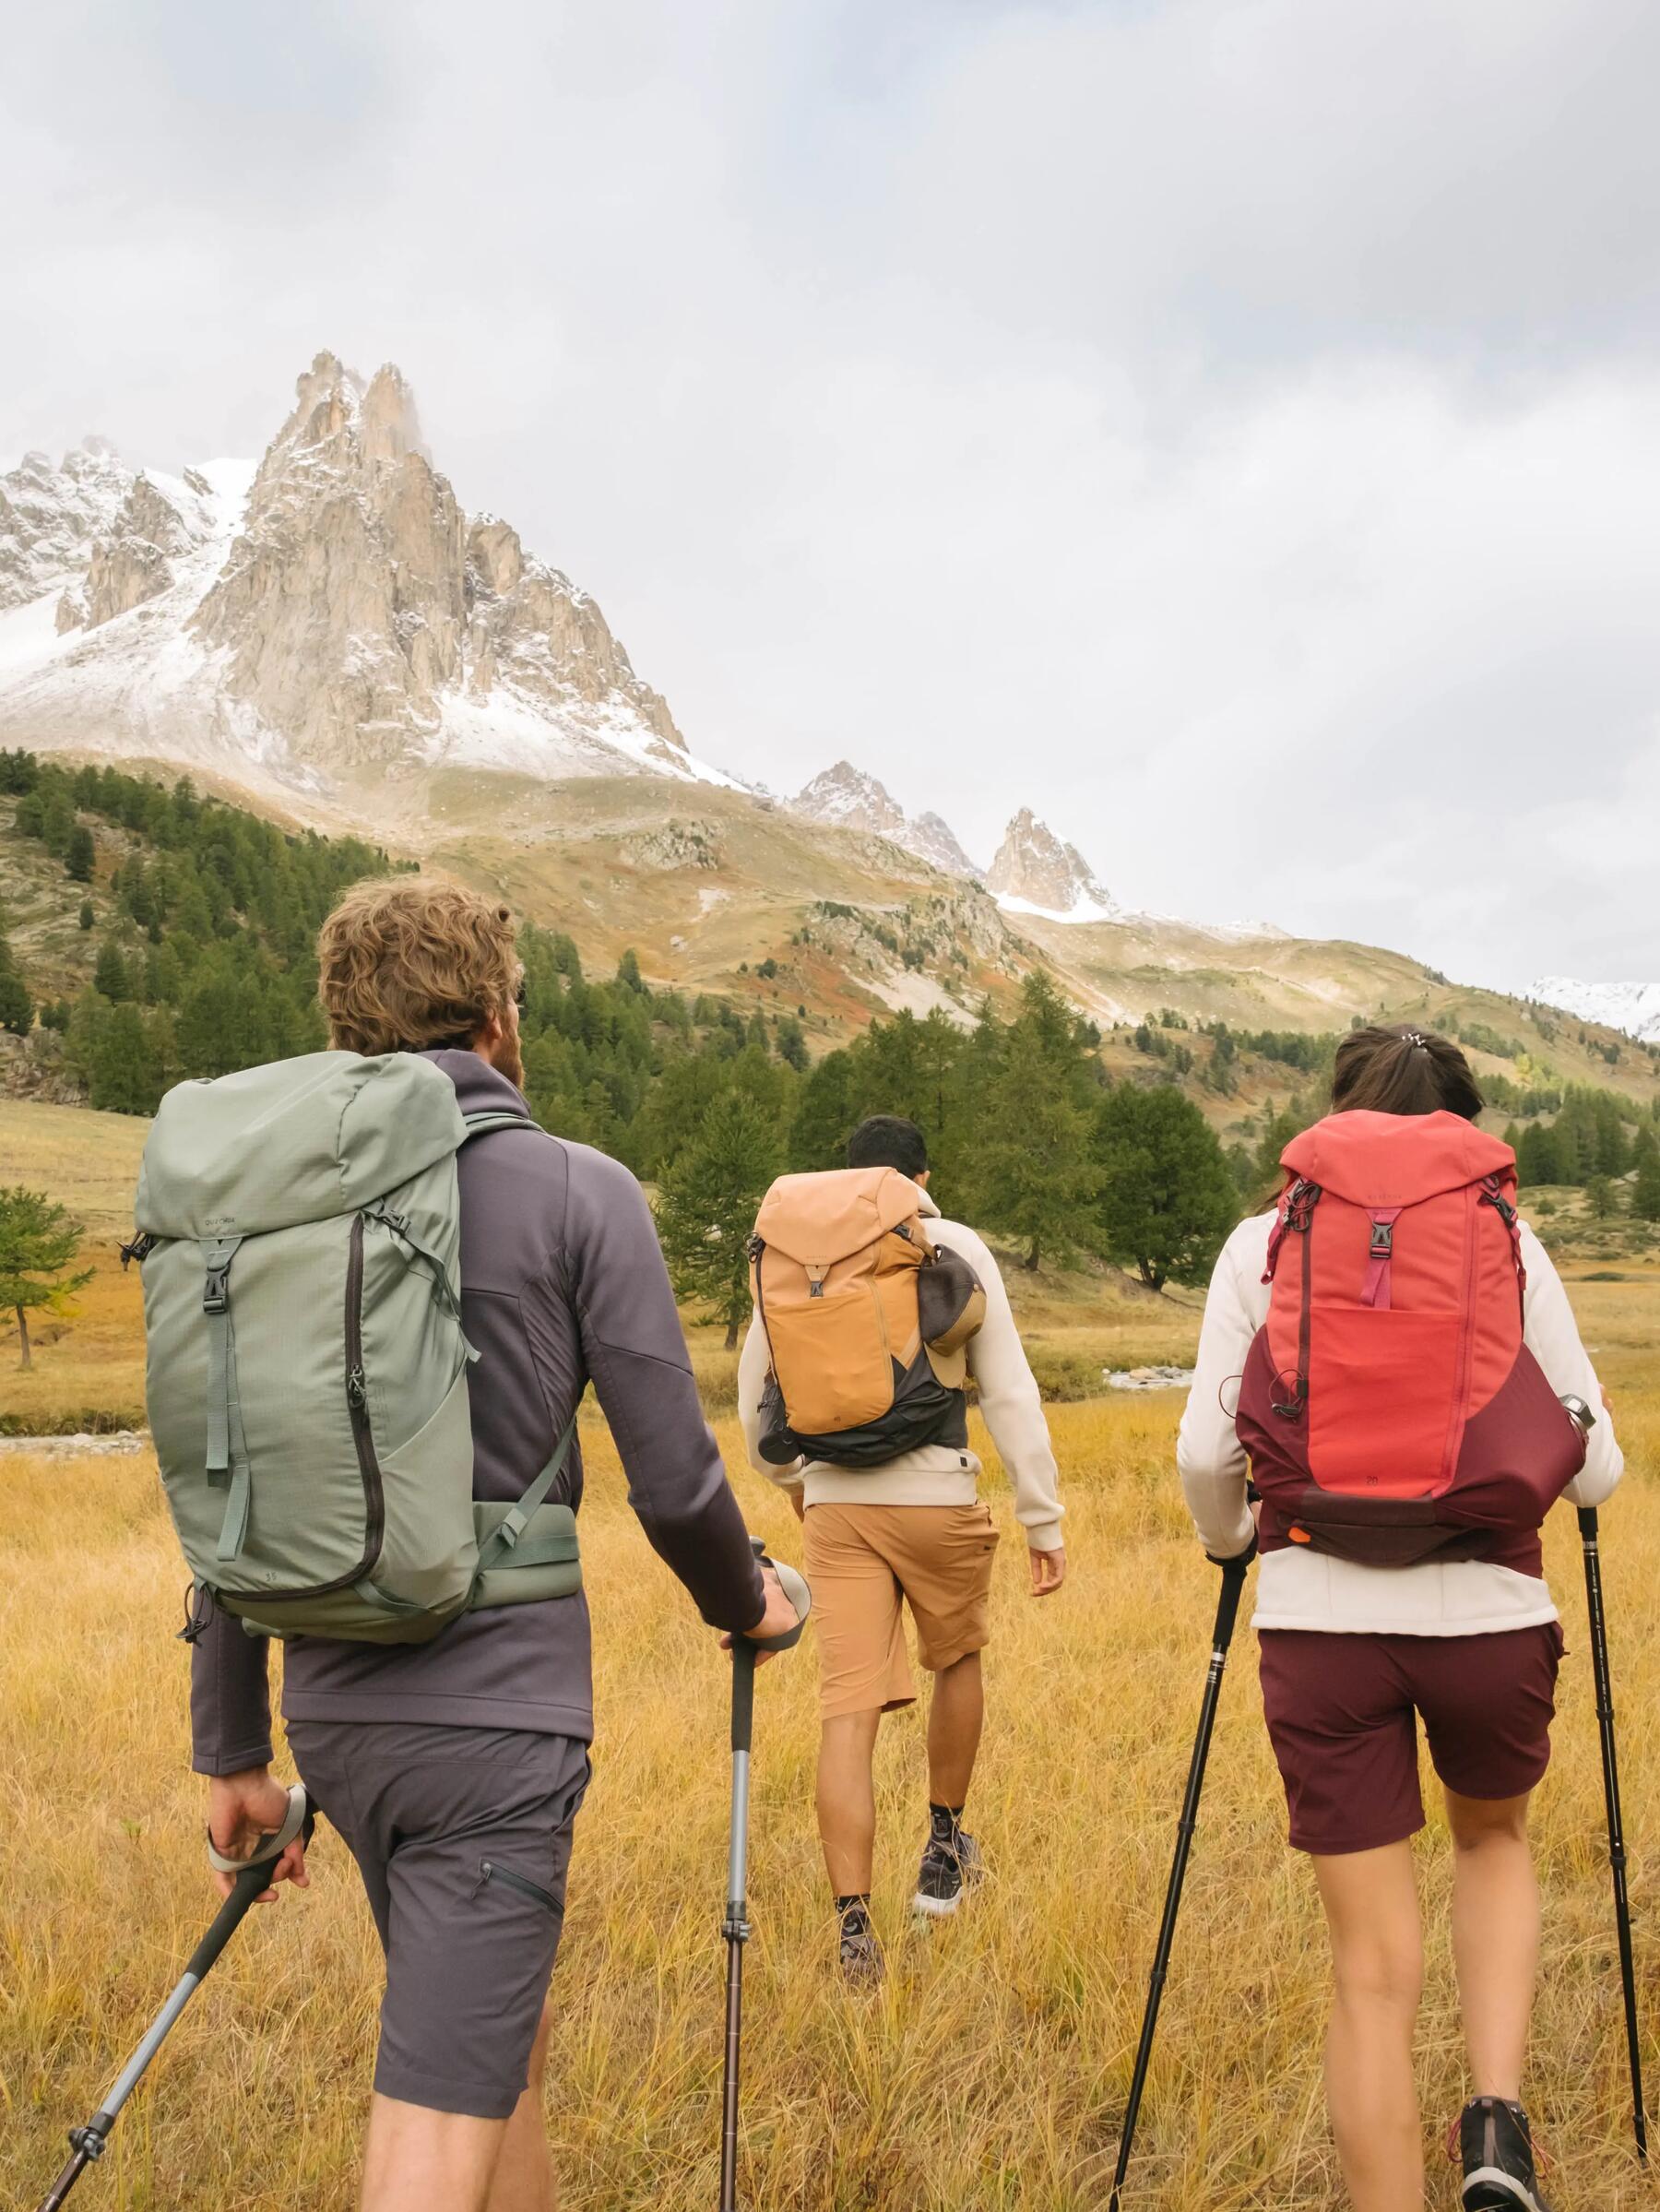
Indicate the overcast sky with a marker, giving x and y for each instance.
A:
(1231, 427)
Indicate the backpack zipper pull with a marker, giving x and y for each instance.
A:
(357, 1389)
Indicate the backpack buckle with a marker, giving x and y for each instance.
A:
(216, 1291)
(1382, 1238)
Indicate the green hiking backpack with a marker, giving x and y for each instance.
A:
(305, 1369)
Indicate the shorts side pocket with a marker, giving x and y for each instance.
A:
(491, 1870)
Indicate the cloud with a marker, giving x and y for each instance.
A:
(1229, 428)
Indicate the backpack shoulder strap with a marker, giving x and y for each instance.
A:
(478, 1125)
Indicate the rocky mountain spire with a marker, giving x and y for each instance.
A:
(853, 799)
(1034, 867)
(360, 602)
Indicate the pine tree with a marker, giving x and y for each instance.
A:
(87, 918)
(1538, 1156)
(38, 1245)
(1646, 1182)
(792, 1044)
(126, 1074)
(81, 856)
(1036, 1175)
(1600, 1192)
(711, 1196)
(1168, 1199)
(17, 1006)
(109, 978)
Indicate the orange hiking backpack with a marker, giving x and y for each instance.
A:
(867, 1321)
(1389, 1406)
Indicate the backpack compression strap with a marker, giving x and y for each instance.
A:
(515, 1524)
(227, 1456)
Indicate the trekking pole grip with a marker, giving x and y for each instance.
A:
(1233, 1588)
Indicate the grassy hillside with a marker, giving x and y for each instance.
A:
(720, 891)
(990, 2073)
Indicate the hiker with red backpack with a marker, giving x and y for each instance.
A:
(1391, 1357)
(872, 1313)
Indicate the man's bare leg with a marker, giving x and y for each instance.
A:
(416, 2158)
(524, 2174)
(847, 1800)
(955, 1720)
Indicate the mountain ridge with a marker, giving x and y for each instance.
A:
(331, 636)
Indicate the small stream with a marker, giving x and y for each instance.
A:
(78, 1448)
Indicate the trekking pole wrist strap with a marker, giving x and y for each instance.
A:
(272, 1847)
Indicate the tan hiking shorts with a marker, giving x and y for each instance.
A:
(866, 1563)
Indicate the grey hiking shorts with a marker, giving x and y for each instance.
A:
(463, 1839)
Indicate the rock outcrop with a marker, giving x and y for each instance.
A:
(135, 561)
(1036, 869)
(51, 515)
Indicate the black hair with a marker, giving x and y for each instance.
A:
(888, 1140)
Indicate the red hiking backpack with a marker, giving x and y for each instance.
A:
(1389, 1405)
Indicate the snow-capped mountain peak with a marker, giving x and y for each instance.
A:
(1036, 872)
(853, 799)
(51, 513)
(337, 621)
(1633, 1007)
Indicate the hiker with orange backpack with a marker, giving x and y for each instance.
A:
(1392, 1355)
(872, 1313)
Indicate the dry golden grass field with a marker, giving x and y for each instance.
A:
(992, 2071)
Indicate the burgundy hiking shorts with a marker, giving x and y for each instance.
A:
(1342, 1714)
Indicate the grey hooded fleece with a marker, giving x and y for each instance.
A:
(563, 1283)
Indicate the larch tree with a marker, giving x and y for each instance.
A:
(710, 1197)
(39, 1242)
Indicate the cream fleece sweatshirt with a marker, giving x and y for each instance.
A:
(938, 1474)
(1300, 1589)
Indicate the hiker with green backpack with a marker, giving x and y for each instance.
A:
(375, 1293)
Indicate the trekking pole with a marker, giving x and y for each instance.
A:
(1227, 1608)
(736, 1927)
(1617, 1852)
(253, 1879)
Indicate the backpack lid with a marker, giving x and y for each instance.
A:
(818, 1219)
(1396, 1158)
(298, 1140)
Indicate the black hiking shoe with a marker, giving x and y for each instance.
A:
(951, 1865)
(862, 1965)
(1495, 2144)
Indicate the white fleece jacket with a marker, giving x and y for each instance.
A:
(1300, 1589)
(938, 1474)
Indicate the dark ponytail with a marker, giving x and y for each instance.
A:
(1403, 1070)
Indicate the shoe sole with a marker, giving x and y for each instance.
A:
(1489, 2188)
(935, 1908)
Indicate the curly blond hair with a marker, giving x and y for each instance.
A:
(410, 964)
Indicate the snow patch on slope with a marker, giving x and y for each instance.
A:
(1633, 1007)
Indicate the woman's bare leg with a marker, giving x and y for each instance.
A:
(1371, 1909)
(1495, 1936)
